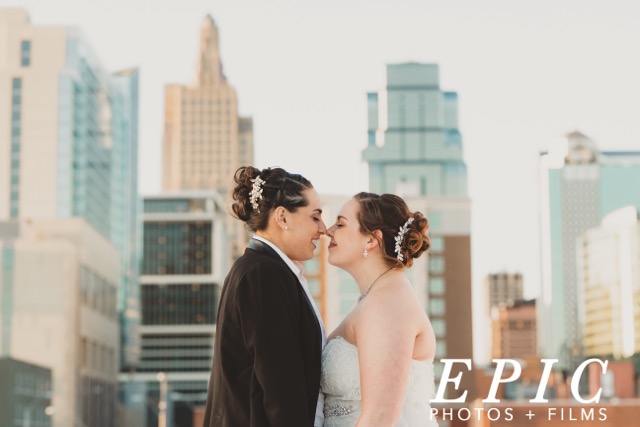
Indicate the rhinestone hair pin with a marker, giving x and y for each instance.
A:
(256, 192)
(400, 238)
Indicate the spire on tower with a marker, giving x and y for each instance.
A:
(209, 69)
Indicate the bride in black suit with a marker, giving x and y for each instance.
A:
(269, 336)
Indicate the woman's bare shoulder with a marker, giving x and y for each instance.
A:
(396, 302)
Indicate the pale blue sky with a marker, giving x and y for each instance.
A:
(525, 72)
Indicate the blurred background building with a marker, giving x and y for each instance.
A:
(70, 152)
(63, 283)
(502, 289)
(183, 267)
(579, 186)
(514, 330)
(609, 282)
(25, 394)
(205, 140)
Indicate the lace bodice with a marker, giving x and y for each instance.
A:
(340, 381)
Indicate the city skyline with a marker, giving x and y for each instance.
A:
(518, 93)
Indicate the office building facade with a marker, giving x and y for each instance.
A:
(62, 282)
(25, 394)
(579, 186)
(183, 268)
(514, 330)
(502, 289)
(609, 282)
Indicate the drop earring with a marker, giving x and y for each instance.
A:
(365, 253)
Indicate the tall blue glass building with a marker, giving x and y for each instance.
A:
(97, 157)
(414, 144)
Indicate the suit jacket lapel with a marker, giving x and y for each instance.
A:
(262, 247)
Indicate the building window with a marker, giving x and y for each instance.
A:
(436, 264)
(436, 307)
(83, 352)
(14, 200)
(435, 220)
(25, 53)
(441, 349)
(436, 285)
(439, 327)
(185, 248)
(437, 244)
(179, 304)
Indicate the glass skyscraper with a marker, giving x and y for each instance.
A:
(125, 230)
(579, 186)
(414, 144)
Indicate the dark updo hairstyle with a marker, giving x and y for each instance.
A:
(281, 188)
(388, 213)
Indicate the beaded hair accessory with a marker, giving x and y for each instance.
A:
(256, 192)
(400, 238)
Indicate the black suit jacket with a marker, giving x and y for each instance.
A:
(266, 361)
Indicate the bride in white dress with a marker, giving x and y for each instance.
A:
(377, 369)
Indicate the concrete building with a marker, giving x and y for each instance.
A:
(514, 330)
(502, 289)
(579, 186)
(61, 278)
(205, 140)
(415, 150)
(183, 268)
(609, 280)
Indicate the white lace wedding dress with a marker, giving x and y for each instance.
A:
(340, 381)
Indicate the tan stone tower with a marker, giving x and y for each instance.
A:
(205, 140)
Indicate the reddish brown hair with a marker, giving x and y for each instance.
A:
(388, 213)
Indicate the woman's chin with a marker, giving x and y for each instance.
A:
(333, 260)
(306, 257)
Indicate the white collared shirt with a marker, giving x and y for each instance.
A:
(319, 420)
